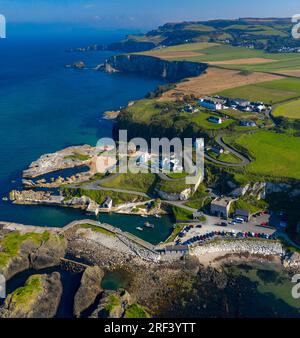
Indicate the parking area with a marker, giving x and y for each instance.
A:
(213, 227)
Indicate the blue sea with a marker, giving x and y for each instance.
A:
(45, 107)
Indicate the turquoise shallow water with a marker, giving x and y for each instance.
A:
(45, 107)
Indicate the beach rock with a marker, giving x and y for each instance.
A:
(253, 247)
(34, 197)
(49, 253)
(78, 65)
(89, 289)
(218, 278)
(292, 261)
(39, 298)
(112, 304)
(14, 266)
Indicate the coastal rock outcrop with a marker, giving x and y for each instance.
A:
(89, 289)
(49, 253)
(30, 250)
(34, 197)
(38, 298)
(66, 158)
(151, 66)
(180, 196)
(261, 189)
(112, 304)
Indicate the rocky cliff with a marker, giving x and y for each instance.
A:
(89, 289)
(38, 298)
(151, 66)
(19, 252)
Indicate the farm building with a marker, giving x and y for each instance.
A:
(220, 207)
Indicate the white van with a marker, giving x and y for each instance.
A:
(239, 220)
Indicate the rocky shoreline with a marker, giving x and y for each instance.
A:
(102, 250)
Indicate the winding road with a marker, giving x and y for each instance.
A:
(244, 160)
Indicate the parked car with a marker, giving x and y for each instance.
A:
(264, 224)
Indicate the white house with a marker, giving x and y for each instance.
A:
(247, 123)
(210, 104)
(215, 119)
(107, 204)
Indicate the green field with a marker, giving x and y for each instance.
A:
(143, 110)
(99, 196)
(289, 109)
(188, 47)
(220, 52)
(269, 92)
(181, 214)
(172, 186)
(273, 154)
(201, 119)
(229, 158)
(136, 182)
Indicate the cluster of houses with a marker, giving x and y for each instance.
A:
(169, 163)
(220, 103)
(220, 207)
(188, 108)
(289, 50)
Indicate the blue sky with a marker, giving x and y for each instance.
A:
(141, 13)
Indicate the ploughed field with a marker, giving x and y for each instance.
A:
(209, 83)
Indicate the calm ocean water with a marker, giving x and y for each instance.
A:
(45, 107)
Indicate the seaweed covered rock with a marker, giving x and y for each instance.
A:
(38, 298)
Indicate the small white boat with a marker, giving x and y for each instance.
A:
(149, 225)
(145, 216)
(157, 216)
(139, 228)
